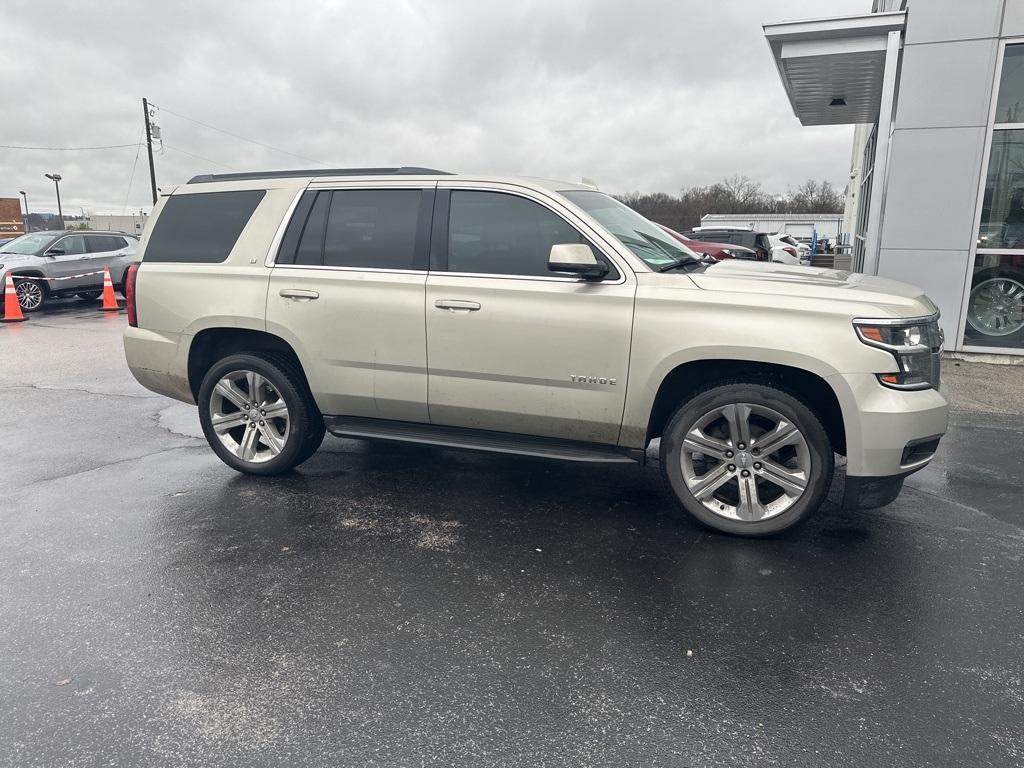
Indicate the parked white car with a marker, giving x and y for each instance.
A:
(787, 250)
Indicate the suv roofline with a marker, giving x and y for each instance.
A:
(405, 170)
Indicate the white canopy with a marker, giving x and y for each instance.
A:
(833, 69)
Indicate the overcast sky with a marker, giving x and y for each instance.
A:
(637, 95)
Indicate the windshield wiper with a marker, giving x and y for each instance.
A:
(688, 262)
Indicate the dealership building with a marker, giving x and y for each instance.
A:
(936, 90)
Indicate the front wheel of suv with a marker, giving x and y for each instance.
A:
(258, 415)
(31, 294)
(747, 459)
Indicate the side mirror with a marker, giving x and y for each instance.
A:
(577, 258)
(54, 252)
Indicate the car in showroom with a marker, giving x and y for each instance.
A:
(995, 304)
(54, 264)
(717, 251)
(527, 317)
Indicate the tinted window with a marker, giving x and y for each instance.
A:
(201, 227)
(104, 243)
(497, 234)
(71, 245)
(374, 228)
(311, 236)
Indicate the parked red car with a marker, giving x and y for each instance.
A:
(717, 251)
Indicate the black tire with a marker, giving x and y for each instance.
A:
(89, 295)
(44, 294)
(819, 450)
(305, 423)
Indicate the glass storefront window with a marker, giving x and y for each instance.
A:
(995, 305)
(1002, 208)
(995, 302)
(1010, 104)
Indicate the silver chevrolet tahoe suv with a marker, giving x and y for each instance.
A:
(528, 317)
(58, 263)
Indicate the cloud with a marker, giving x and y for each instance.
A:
(648, 96)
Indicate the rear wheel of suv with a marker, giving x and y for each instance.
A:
(747, 459)
(31, 294)
(258, 415)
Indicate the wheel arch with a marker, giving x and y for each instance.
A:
(211, 344)
(686, 379)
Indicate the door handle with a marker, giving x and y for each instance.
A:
(299, 294)
(456, 305)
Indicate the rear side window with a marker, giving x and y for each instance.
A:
(104, 243)
(201, 228)
(359, 229)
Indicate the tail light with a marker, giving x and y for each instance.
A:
(790, 251)
(129, 294)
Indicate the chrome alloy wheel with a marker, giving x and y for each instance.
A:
(249, 416)
(745, 462)
(29, 293)
(996, 306)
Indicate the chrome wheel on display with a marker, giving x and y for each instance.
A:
(996, 306)
(249, 416)
(745, 462)
(30, 294)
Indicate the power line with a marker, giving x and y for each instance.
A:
(200, 157)
(68, 149)
(131, 178)
(236, 136)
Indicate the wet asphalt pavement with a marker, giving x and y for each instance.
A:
(406, 606)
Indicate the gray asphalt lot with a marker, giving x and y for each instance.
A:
(404, 606)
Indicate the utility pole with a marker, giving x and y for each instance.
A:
(149, 148)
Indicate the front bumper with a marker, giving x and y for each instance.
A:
(889, 433)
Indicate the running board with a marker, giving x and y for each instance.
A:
(478, 440)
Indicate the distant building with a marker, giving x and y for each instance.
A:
(133, 224)
(11, 223)
(800, 225)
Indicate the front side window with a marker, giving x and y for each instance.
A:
(995, 301)
(72, 245)
(493, 233)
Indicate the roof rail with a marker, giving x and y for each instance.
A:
(405, 170)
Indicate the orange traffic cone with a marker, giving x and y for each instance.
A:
(109, 300)
(12, 309)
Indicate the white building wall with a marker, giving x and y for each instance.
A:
(937, 150)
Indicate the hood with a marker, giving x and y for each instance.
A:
(890, 297)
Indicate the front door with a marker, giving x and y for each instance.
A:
(347, 292)
(513, 347)
(66, 259)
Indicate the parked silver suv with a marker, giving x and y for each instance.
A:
(527, 317)
(59, 263)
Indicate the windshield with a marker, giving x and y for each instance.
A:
(26, 244)
(644, 238)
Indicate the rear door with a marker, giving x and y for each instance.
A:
(66, 259)
(347, 292)
(512, 346)
(103, 252)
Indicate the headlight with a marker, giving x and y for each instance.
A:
(916, 345)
